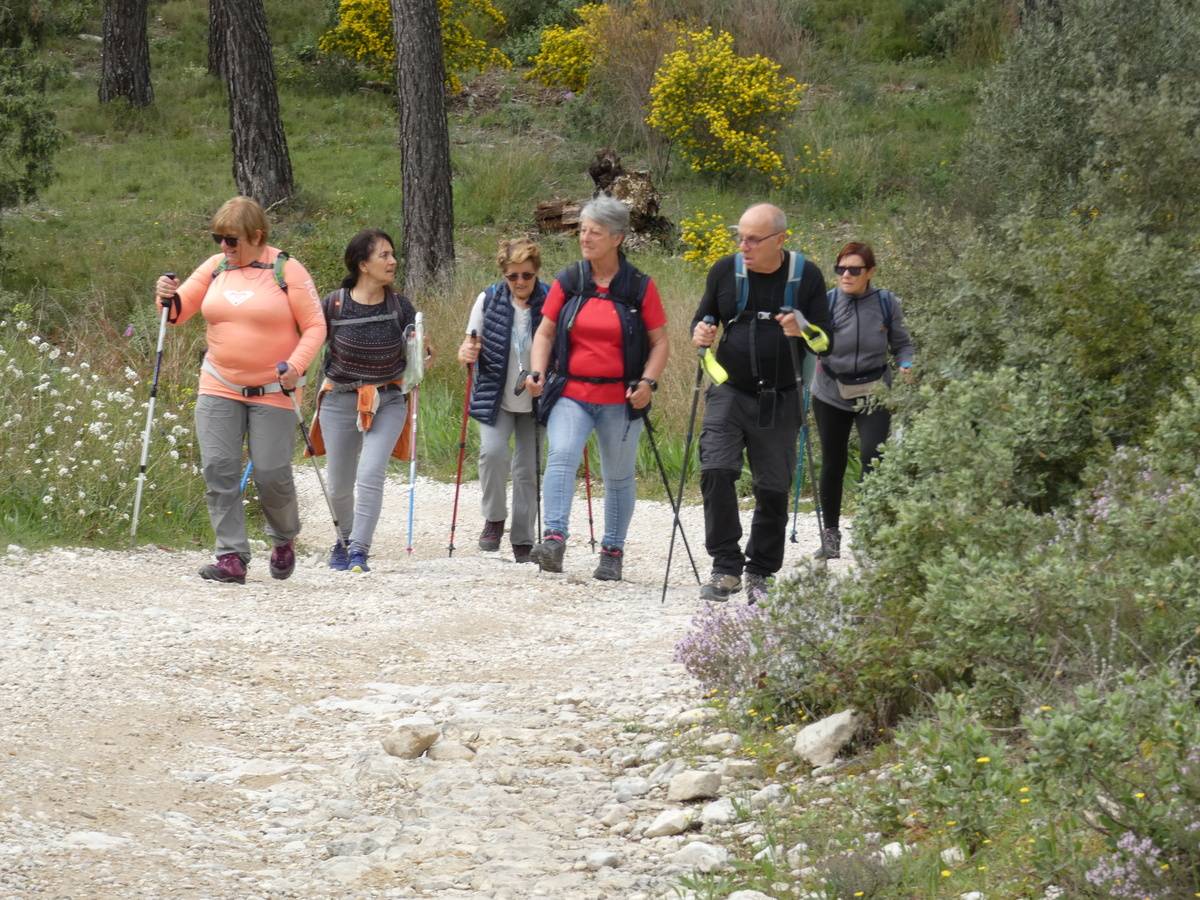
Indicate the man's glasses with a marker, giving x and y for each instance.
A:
(220, 239)
(751, 242)
(514, 277)
(852, 271)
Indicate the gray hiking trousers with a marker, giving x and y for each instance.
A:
(223, 426)
(494, 467)
(356, 465)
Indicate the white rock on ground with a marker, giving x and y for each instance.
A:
(207, 740)
(722, 740)
(701, 856)
(748, 895)
(819, 743)
(669, 822)
(693, 785)
(719, 812)
(410, 741)
(953, 856)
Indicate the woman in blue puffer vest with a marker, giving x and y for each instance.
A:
(499, 338)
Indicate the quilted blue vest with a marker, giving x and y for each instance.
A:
(491, 371)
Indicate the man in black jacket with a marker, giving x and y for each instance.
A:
(756, 410)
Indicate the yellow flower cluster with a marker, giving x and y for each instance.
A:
(364, 33)
(722, 110)
(707, 238)
(566, 56)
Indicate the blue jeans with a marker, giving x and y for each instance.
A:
(571, 422)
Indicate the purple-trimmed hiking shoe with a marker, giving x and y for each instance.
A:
(283, 560)
(228, 569)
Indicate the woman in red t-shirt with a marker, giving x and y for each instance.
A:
(596, 382)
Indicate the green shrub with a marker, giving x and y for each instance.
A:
(1036, 129)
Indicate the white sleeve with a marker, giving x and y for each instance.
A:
(475, 320)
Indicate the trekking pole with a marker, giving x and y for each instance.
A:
(537, 453)
(587, 482)
(281, 368)
(687, 456)
(246, 477)
(800, 463)
(799, 373)
(412, 468)
(158, 355)
(667, 487)
(462, 450)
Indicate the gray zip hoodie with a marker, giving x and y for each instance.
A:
(861, 340)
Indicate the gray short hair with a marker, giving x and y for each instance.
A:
(609, 212)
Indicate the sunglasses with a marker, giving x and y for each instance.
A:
(853, 271)
(229, 239)
(514, 277)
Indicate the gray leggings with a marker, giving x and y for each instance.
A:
(222, 427)
(356, 466)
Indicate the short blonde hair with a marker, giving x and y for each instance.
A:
(241, 216)
(516, 251)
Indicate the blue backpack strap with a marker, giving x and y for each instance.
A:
(886, 308)
(741, 283)
(831, 296)
(795, 273)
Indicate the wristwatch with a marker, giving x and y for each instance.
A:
(650, 381)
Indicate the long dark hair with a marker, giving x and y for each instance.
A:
(359, 251)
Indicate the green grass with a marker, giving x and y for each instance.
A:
(135, 188)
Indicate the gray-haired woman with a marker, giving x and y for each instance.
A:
(602, 345)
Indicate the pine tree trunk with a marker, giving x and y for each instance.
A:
(261, 166)
(217, 14)
(125, 60)
(427, 242)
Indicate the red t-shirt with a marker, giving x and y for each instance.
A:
(595, 341)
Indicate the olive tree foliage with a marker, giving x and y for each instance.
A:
(1041, 111)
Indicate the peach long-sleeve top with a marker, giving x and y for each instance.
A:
(253, 324)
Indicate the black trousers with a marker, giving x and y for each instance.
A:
(833, 427)
(732, 427)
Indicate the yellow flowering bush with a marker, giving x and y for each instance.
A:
(707, 238)
(364, 33)
(722, 110)
(567, 56)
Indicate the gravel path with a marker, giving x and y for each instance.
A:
(161, 736)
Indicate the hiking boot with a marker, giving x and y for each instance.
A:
(757, 587)
(228, 569)
(358, 562)
(549, 552)
(720, 586)
(521, 553)
(489, 538)
(831, 545)
(609, 568)
(339, 557)
(283, 560)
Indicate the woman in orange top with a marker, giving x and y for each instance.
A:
(261, 308)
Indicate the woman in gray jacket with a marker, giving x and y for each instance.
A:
(867, 323)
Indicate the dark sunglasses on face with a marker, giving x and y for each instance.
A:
(853, 271)
(220, 239)
(514, 277)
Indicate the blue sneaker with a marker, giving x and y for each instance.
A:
(358, 562)
(339, 558)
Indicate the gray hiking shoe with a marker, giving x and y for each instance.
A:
(720, 585)
(831, 545)
(548, 553)
(489, 539)
(757, 587)
(609, 568)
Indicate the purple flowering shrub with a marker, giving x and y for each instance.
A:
(721, 648)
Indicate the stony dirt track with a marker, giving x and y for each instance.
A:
(161, 736)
